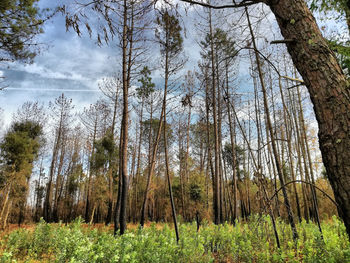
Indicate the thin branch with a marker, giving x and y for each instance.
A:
(284, 41)
(241, 4)
(293, 79)
(301, 181)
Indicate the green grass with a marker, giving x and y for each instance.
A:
(246, 242)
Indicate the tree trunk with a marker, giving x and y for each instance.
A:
(125, 122)
(328, 90)
(168, 174)
(273, 142)
(48, 195)
(233, 153)
(216, 178)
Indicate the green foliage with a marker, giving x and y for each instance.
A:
(343, 53)
(147, 86)
(195, 192)
(239, 155)
(105, 149)
(18, 150)
(20, 146)
(252, 242)
(329, 5)
(20, 22)
(338, 44)
(168, 34)
(152, 126)
(223, 45)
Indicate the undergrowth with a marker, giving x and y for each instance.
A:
(244, 242)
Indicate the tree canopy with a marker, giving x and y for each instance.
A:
(20, 23)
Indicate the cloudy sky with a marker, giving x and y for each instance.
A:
(68, 64)
(75, 65)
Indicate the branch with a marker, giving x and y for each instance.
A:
(301, 181)
(284, 41)
(295, 86)
(241, 4)
(295, 181)
(293, 79)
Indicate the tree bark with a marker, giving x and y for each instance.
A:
(329, 92)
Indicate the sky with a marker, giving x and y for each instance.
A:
(75, 65)
(70, 64)
(67, 63)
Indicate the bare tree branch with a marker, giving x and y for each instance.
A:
(301, 181)
(235, 5)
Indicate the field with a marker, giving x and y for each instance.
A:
(246, 242)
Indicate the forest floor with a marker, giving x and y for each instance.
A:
(252, 241)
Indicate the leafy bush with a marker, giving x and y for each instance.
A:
(244, 242)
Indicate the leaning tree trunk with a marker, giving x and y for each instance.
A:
(329, 92)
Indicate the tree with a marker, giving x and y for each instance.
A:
(327, 85)
(340, 6)
(20, 23)
(144, 92)
(61, 113)
(94, 119)
(19, 149)
(111, 88)
(127, 19)
(31, 111)
(168, 35)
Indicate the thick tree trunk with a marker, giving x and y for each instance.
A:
(328, 90)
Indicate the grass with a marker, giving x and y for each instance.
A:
(245, 242)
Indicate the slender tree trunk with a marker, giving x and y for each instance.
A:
(181, 172)
(4, 205)
(4, 225)
(216, 176)
(59, 183)
(273, 143)
(168, 173)
(117, 203)
(233, 154)
(48, 196)
(304, 138)
(112, 167)
(287, 119)
(138, 166)
(92, 156)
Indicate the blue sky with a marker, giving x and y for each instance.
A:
(67, 63)
(74, 65)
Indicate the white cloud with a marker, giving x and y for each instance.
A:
(45, 72)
